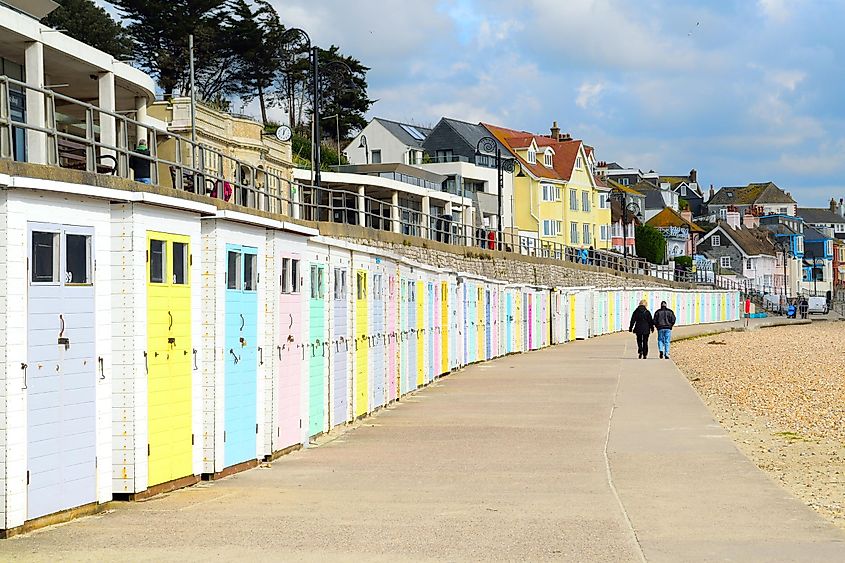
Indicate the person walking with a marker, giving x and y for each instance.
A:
(141, 166)
(664, 320)
(642, 324)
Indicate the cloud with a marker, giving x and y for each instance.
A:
(778, 11)
(588, 93)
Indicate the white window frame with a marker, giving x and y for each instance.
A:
(603, 232)
(586, 204)
(602, 201)
(725, 262)
(573, 200)
(548, 159)
(573, 232)
(532, 156)
(588, 234)
(715, 241)
(578, 163)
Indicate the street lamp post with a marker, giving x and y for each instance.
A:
(783, 245)
(488, 145)
(627, 207)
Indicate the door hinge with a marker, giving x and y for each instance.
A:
(256, 428)
(27, 477)
(224, 435)
(148, 450)
(192, 439)
(190, 259)
(300, 423)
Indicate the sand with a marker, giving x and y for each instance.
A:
(780, 392)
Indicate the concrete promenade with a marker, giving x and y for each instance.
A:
(579, 453)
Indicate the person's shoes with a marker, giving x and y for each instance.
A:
(665, 357)
(645, 357)
(640, 356)
(661, 355)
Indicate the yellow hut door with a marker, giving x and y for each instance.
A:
(362, 331)
(169, 358)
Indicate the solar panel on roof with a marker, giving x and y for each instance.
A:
(413, 132)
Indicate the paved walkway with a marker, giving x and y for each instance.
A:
(580, 452)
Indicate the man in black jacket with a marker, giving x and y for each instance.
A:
(140, 165)
(664, 320)
(642, 325)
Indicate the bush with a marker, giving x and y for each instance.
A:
(684, 263)
(650, 244)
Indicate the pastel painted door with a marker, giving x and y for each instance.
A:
(241, 355)
(340, 347)
(411, 336)
(169, 358)
(420, 333)
(393, 349)
(377, 349)
(315, 350)
(290, 353)
(430, 333)
(61, 370)
(509, 333)
(362, 331)
(444, 327)
(488, 324)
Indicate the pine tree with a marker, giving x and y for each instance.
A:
(83, 20)
(159, 30)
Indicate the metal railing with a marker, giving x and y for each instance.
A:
(82, 136)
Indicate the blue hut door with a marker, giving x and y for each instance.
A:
(241, 353)
(61, 370)
(340, 343)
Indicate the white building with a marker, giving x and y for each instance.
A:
(386, 141)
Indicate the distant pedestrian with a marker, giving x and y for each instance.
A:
(642, 324)
(141, 166)
(664, 320)
(803, 307)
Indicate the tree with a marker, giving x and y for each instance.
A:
(159, 30)
(343, 91)
(83, 20)
(650, 244)
(257, 42)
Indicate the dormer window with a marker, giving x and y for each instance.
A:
(548, 158)
(532, 156)
(578, 163)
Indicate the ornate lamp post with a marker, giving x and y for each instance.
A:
(488, 145)
(627, 207)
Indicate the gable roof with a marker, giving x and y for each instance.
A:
(405, 132)
(513, 140)
(817, 216)
(752, 242)
(470, 133)
(752, 194)
(671, 218)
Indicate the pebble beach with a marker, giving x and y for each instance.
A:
(780, 392)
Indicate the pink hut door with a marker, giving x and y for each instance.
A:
(289, 351)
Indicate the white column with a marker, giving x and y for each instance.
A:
(426, 217)
(106, 101)
(394, 212)
(362, 207)
(469, 221)
(36, 115)
(141, 117)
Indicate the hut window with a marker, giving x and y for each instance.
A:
(250, 272)
(45, 257)
(180, 263)
(157, 260)
(233, 277)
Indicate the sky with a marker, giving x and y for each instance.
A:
(742, 91)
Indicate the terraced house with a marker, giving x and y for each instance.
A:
(557, 197)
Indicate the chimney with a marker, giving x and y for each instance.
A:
(750, 220)
(693, 176)
(833, 205)
(555, 131)
(566, 137)
(687, 214)
(732, 219)
(712, 192)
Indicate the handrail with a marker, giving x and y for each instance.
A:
(199, 168)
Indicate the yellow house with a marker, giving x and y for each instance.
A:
(557, 197)
(241, 140)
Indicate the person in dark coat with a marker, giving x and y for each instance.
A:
(642, 324)
(664, 320)
(139, 165)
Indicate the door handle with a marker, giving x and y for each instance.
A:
(243, 322)
(146, 363)
(24, 367)
(279, 348)
(171, 320)
(102, 371)
(196, 367)
(232, 351)
(260, 356)
(291, 320)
